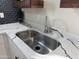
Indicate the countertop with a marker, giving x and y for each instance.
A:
(13, 28)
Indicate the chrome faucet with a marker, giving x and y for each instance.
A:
(49, 29)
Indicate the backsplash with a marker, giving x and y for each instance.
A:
(69, 16)
(35, 17)
(9, 10)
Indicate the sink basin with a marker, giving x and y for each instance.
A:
(38, 42)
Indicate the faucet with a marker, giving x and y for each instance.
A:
(49, 29)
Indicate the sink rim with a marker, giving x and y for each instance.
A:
(46, 34)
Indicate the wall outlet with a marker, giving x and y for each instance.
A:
(1, 15)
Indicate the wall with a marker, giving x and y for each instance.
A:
(68, 18)
(35, 17)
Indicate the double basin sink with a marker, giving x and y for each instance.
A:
(38, 42)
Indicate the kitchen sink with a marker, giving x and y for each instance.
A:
(38, 42)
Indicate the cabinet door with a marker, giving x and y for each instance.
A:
(30, 4)
(69, 4)
(23, 4)
(37, 3)
(11, 50)
(15, 51)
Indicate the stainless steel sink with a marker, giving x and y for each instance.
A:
(38, 42)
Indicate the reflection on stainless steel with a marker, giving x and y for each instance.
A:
(33, 39)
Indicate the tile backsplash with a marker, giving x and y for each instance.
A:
(9, 10)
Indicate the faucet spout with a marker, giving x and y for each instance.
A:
(46, 26)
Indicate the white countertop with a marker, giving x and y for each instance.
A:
(13, 28)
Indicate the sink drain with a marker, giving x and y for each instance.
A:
(38, 48)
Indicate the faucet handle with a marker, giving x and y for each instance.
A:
(54, 29)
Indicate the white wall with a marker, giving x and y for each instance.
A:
(71, 18)
(35, 17)
(68, 16)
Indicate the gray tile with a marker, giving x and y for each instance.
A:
(9, 10)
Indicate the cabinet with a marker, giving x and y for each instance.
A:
(15, 51)
(37, 3)
(30, 4)
(11, 50)
(69, 4)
